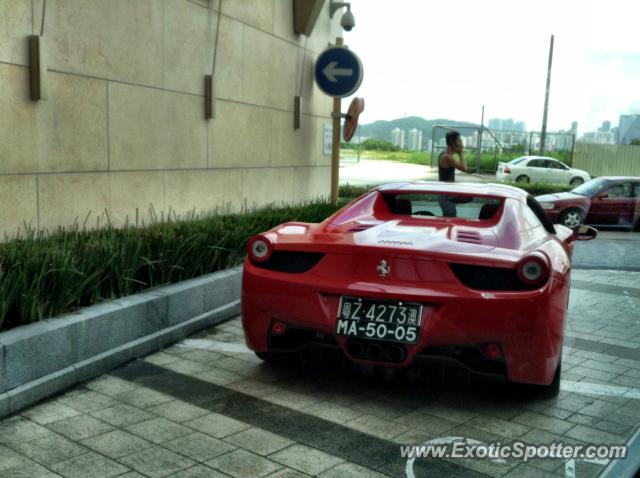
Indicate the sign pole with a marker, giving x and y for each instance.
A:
(335, 144)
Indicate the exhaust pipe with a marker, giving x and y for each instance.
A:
(374, 351)
(396, 353)
(355, 348)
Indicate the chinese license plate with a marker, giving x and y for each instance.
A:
(372, 319)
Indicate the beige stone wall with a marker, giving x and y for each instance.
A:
(124, 128)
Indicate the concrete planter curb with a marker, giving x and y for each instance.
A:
(41, 359)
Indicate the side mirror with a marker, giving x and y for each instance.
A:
(584, 233)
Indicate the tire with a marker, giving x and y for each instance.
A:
(575, 182)
(271, 358)
(571, 217)
(523, 178)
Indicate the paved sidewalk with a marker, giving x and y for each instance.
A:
(207, 407)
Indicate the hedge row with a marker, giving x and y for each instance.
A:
(43, 275)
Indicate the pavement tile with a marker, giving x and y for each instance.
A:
(294, 400)
(160, 358)
(241, 464)
(332, 412)
(232, 364)
(21, 430)
(122, 415)
(158, 430)
(90, 464)
(157, 462)
(116, 444)
(599, 408)
(49, 412)
(80, 427)
(203, 356)
(10, 459)
(29, 470)
(503, 428)
(220, 377)
(288, 473)
(50, 449)
(350, 470)
(143, 397)
(380, 408)
(199, 447)
(253, 387)
(87, 401)
(306, 459)
(110, 386)
(543, 422)
(259, 441)
(376, 426)
(216, 425)
(593, 435)
(178, 411)
(414, 437)
(199, 471)
(188, 367)
(527, 471)
(426, 422)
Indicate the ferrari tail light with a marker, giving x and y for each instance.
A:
(533, 269)
(278, 328)
(259, 248)
(507, 170)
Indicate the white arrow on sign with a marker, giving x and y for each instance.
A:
(330, 71)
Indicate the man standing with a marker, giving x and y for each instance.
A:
(447, 165)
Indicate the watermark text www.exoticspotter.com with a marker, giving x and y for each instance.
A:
(515, 450)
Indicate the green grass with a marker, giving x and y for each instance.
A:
(43, 275)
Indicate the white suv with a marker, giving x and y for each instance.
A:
(539, 169)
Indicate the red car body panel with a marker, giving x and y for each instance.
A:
(528, 324)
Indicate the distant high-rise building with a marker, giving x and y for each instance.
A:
(507, 124)
(574, 128)
(628, 128)
(397, 137)
(606, 126)
(415, 140)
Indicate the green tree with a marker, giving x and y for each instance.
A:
(635, 142)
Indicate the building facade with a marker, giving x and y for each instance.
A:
(123, 131)
(628, 128)
(415, 140)
(397, 137)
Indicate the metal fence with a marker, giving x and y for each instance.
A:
(485, 147)
(608, 159)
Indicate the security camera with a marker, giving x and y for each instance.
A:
(347, 21)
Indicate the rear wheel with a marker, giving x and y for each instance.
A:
(271, 358)
(575, 182)
(571, 217)
(523, 178)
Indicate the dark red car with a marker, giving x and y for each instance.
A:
(389, 280)
(604, 201)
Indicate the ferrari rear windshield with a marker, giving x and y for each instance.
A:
(463, 206)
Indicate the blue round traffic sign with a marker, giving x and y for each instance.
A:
(338, 72)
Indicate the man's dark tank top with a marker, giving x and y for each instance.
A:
(446, 174)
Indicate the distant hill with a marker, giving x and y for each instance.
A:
(382, 129)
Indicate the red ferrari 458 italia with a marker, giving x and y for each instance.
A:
(474, 274)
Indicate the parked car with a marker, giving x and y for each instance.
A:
(389, 281)
(604, 201)
(539, 169)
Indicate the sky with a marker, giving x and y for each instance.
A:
(442, 59)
